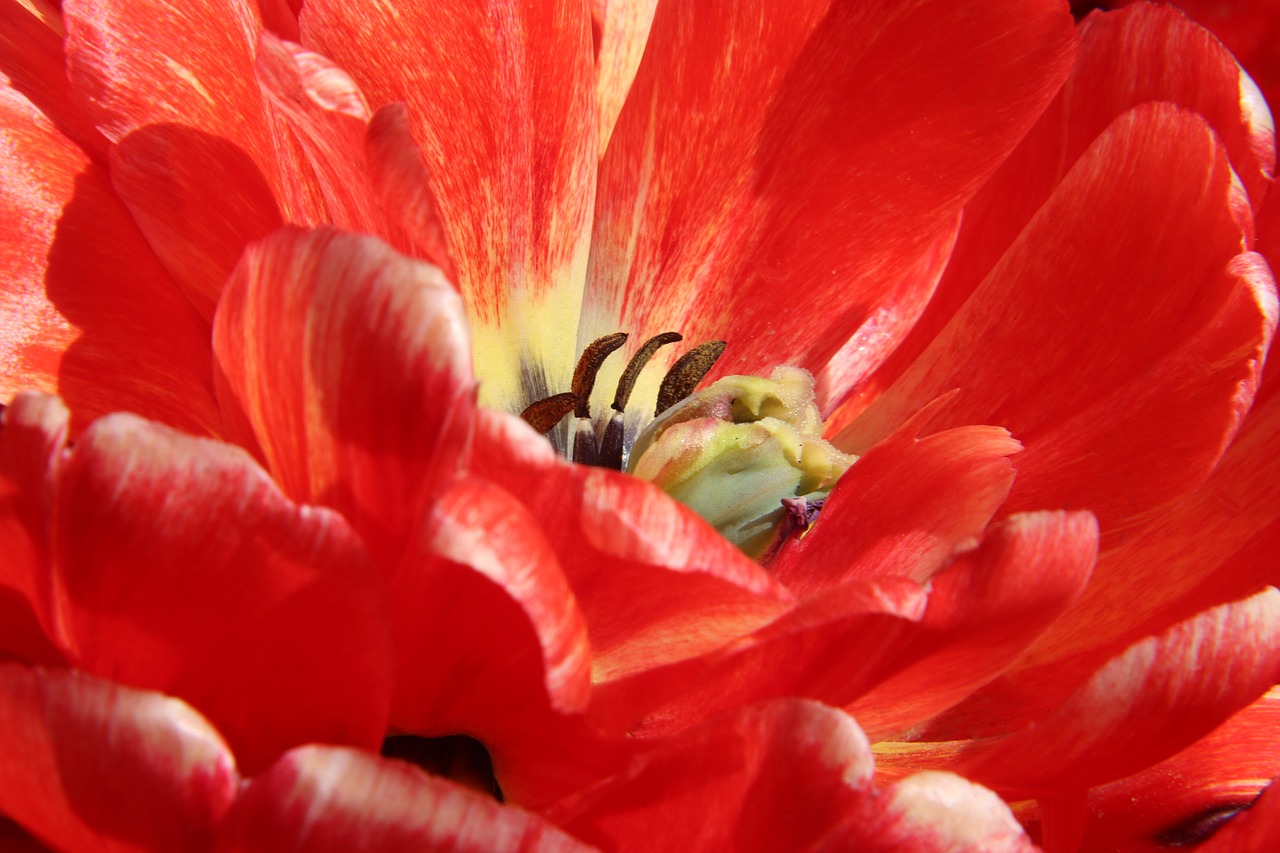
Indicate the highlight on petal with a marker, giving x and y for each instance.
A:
(180, 567)
(321, 798)
(501, 102)
(90, 765)
(88, 312)
(1166, 323)
(1146, 704)
(348, 366)
(621, 29)
(774, 776)
(766, 221)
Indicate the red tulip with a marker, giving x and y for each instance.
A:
(1053, 582)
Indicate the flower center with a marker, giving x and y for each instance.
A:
(607, 447)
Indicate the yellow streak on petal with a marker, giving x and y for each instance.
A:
(190, 79)
(46, 13)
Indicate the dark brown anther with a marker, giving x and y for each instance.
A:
(584, 375)
(637, 363)
(686, 373)
(545, 414)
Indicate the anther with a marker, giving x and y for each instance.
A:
(612, 444)
(686, 373)
(584, 375)
(545, 414)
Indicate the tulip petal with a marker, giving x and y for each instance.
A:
(347, 364)
(654, 582)
(1146, 704)
(320, 798)
(196, 159)
(983, 611)
(775, 776)
(1188, 796)
(489, 640)
(623, 28)
(33, 431)
(1177, 323)
(1252, 830)
(89, 313)
(90, 765)
(934, 811)
(903, 507)
(1147, 53)
(183, 569)
(502, 104)
(749, 140)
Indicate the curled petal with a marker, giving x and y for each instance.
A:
(181, 568)
(320, 798)
(90, 765)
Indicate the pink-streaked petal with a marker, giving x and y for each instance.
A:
(320, 798)
(501, 101)
(348, 365)
(195, 159)
(1146, 704)
(903, 507)
(775, 776)
(655, 583)
(33, 431)
(183, 569)
(90, 765)
(399, 178)
(88, 312)
(485, 625)
(983, 611)
(1147, 53)
(930, 812)
(1164, 323)
(622, 28)
(870, 623)
(750, 140)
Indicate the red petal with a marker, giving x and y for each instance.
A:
(320, 798)
(902, 509)
(501, 101)
(88, 312)
(983, 611)
(1148, 53)
(751, 140)
(623, 29)
(184, 570)
(171, 83)
(775, 776)
(1158, 697)
(655, 582)
(1252, 830)
(1187, 795)
(934, 812)
(349, 366)
(1135, 412)
(489, 640)
(89, 765)
(32, 436)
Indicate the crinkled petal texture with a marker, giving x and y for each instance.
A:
(320, 798)
(88, 312)
(90, 765)
(347, 367)
(777, 174)
(174, 563)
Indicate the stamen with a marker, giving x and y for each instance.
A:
(545, 414)
(686, 373)
(637, 363)
(584, 375)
